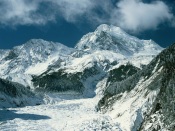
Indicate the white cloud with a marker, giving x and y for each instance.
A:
(72, 9)
(137, 16)
(22, 12)
(14, 12)
(132, 15)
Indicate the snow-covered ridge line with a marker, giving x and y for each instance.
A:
(17, 63)
(110, 43)
(115, 39)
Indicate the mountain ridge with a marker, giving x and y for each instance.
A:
(115, 39)
(37, 56)
(145, 96)
(107, 64)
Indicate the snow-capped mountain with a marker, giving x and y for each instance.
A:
(33, 56)
(107, 47)
(144, 101)
(115, 39)
(95, 55)
(47, 65)
(107, 64)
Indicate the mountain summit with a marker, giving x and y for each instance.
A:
(15, 62)
(115, 39)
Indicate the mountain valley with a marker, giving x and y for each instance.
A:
(110, 81)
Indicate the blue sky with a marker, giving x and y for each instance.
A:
(66, 21)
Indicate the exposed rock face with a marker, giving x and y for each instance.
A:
(14, 95)
(113, 38)
(122, 72)
(147, 97)
(164, 108)
(11, 55)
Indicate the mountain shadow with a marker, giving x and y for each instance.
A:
(6, 115)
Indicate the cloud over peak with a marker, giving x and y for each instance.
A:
(137, 16)
(133, 15)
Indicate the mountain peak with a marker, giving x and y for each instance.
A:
(37, 42)
(40, 45)
(110, 28)
(113, 38)
(103, 27)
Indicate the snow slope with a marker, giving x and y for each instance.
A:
(115, 39)
(68, 111)
(67, 115)
(3, 53)
(95, 55)
(34, 56)
(16, 95)
(144, 101)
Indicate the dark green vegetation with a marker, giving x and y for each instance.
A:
(165, 103)
(164, 106)
(14, 89)
(121, 73)
(63, 81)
(16, 95)
(58, 81)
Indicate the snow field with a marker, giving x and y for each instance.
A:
(66, 112)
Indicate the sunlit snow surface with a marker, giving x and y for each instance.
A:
(68, 111)
(106, 46)
(62, 112)
(106, 43)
